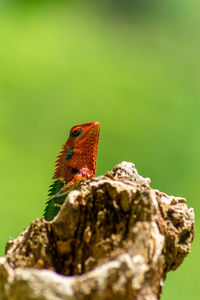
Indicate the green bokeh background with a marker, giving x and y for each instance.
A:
(134, 68)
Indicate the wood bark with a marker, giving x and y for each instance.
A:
(114, 238)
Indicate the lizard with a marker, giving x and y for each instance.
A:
(76, 161)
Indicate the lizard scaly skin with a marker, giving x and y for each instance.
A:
(75, 162)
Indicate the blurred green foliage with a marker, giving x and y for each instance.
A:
(135, 73)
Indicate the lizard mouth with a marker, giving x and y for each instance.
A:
(96, 128)
(95, 132)
(91, 136)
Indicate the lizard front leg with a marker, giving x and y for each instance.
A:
(79, 175)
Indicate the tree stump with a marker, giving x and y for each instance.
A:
(114, 238)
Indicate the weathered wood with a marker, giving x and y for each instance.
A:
(115, 237)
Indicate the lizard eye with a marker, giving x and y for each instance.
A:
(76, 133)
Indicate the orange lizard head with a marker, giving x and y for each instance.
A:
(84, 133)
